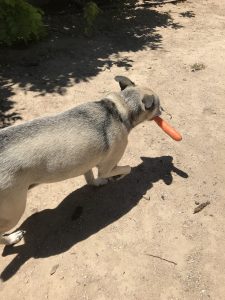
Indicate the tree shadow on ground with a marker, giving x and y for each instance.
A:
(66, 57)
(7, 117)
(155, 3)
(86, 211)
(187, 14)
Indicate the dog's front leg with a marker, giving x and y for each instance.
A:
(90, 179)
(116, 173)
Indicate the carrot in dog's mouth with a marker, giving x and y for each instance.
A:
(168, 129)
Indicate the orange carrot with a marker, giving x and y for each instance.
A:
(168, 129)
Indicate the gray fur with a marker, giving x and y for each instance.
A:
(67, 145)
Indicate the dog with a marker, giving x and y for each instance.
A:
(69, 144)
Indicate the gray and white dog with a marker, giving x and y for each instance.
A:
(69, 144)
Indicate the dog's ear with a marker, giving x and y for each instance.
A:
(148, 101)
(124, 82)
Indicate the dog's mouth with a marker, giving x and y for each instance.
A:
(157, 114)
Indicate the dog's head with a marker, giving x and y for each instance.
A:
(142, 102)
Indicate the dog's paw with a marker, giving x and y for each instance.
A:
(13, 238)
(100, 182)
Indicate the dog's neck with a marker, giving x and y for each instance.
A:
(128, 107)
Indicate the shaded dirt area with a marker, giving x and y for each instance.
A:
(137, 238)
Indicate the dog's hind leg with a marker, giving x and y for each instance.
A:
(11, 238)
(12, 206)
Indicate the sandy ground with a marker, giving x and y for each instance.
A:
(137, 238)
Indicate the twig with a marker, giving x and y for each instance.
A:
(200, 207)
(156, 256)
(165, 2)
(54, 268)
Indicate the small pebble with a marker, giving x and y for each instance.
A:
(146, 197)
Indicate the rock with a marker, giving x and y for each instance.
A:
(54, 268)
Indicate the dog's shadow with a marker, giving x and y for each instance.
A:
(86, 211)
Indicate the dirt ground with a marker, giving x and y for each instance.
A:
(137, 238)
